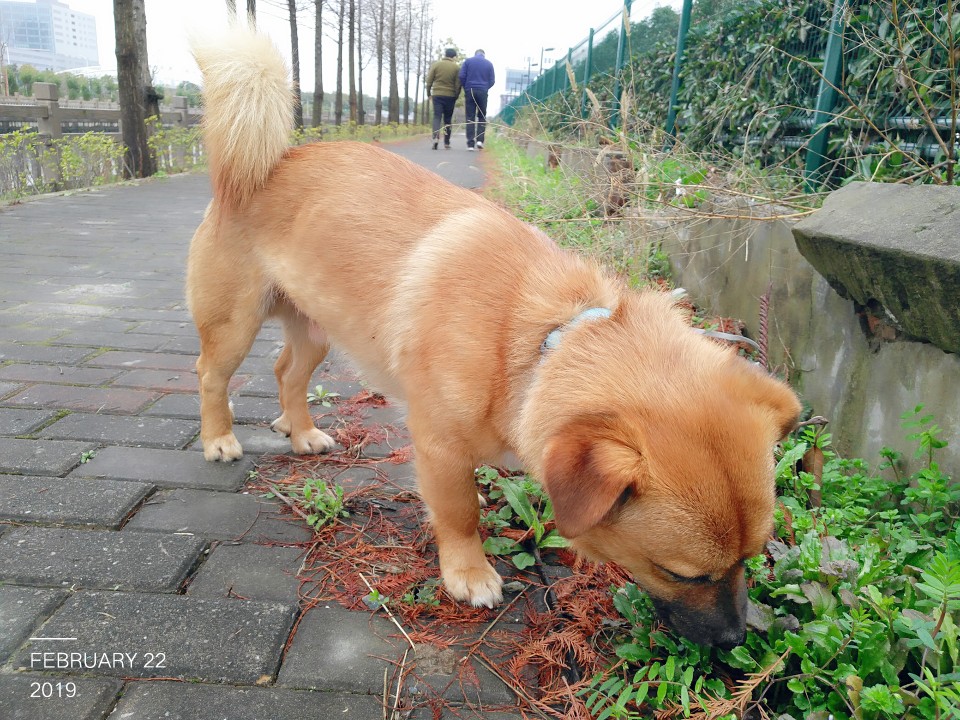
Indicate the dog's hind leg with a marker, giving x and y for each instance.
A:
(228, 304)
(305, 346)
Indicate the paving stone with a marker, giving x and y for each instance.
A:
(162, 327)
(351, 659)
(41, 457)
(65, 324)
(190, 345)
(21, 421)
(22, 352)
(9, 388)
(222, 640)
(21, 610)
(155, 432)
(166, 468)
(70, 698)
(67, 375)
(95, 338)
(177, 405)
(59, 309)
(84, 399)
(27, 333)
(257, 440)
(401, 476)
(461, 712)
(98, 559)
(441, 673)
(168, 380)
(147, 360)
(68, 501)
(177, 701)
(220, 516)
(255, 572)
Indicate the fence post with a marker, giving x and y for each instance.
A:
(621, 59)
(47, 96)
(670, 127)
(180, 106)
(587, 72)
(826, 101)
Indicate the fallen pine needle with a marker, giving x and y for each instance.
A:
(390, 615)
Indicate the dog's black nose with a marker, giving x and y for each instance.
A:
(729, 639)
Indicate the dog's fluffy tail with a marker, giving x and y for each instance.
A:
(248, 110)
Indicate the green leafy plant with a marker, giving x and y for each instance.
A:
(856, 605)
(525, 505)
(321, 396)
(323, 503)
(423, 594)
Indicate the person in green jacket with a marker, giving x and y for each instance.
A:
(443, 87)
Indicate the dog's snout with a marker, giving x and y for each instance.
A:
(731, 638)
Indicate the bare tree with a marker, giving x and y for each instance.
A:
(338, 97)
(407, 37)
(295, 59)
(361, 113)
(232, 9)
(136, 94)
(380, 14)
(318, 66)
(420, 56)
(351, 61)
(393, 107)
(252, 11)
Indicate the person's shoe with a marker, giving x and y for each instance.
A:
(479, 146)
(469, 148)
(446, 146)
(435, 144)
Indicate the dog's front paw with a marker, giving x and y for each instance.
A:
(480, 586)
(225, 448)
(312, 442)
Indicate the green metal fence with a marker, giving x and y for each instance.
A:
(835, 86)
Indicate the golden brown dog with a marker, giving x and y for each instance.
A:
(654, 443)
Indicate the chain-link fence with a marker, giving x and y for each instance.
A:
(843, 88)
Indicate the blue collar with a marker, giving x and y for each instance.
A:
(553, 338)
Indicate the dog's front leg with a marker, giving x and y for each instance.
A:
(447, 485)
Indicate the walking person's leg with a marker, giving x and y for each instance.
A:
(437, 119)
(449, 103)
(481, 101)
(470, 104)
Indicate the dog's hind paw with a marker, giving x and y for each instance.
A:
(282, 425)
(479, 586)
(312, 442)
(224, 448)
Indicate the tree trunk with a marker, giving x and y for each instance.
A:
(338, 98)
(420, 56)
(232, 9)
(351, 61)
(361, 113)
(135, 93)
(252, 12)
(378, 104)
(393, 109)
(295, 60)
(408, 33)
(318, 67)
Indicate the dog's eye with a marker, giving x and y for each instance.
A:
(698, 580)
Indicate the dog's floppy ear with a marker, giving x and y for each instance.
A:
(585, 473)
(752, 383)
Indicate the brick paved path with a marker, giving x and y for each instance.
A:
(125, 556)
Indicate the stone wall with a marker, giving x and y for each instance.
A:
(859, 381)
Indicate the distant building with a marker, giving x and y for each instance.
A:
(517, 81)
(48, 35)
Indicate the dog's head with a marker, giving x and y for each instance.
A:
(680, 493)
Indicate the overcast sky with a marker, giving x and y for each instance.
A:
(510, 31)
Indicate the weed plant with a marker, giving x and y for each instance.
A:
(855, 605)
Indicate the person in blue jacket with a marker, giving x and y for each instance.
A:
(476, 77)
